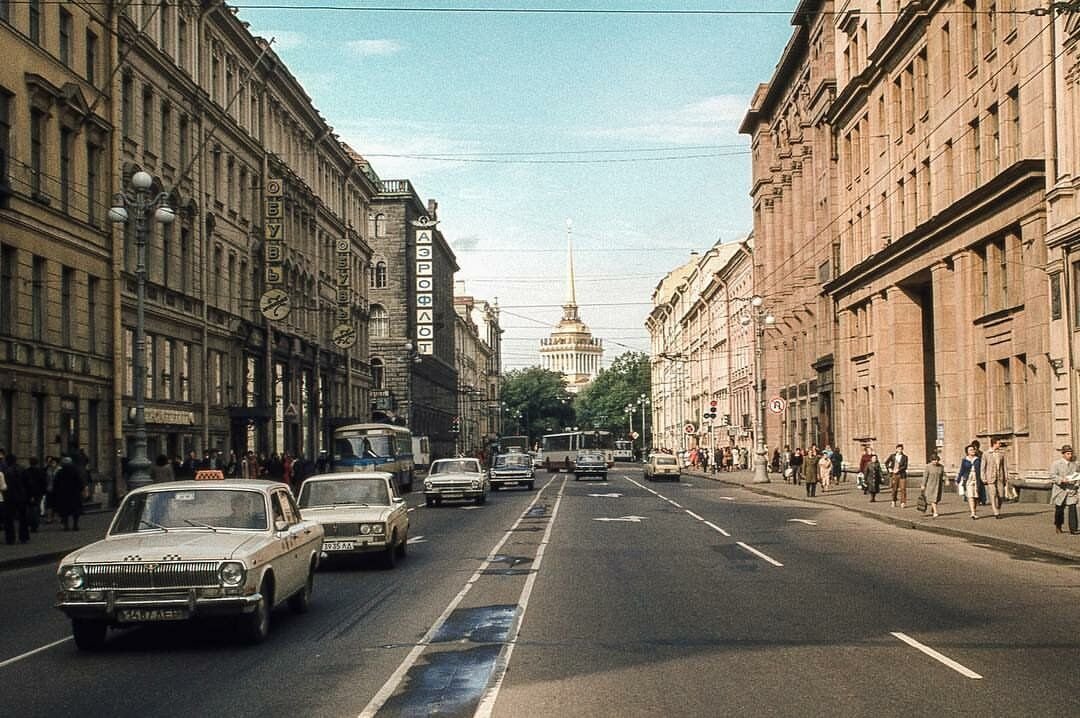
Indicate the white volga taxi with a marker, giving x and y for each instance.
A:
(190, 549)
(360, 513)
(461, 478)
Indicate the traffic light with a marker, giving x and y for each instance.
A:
(710, 413)
(455, 425)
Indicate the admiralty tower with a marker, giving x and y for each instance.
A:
(571, 349)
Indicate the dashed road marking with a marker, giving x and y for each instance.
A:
(940, 657)
(759, 554)
(46, 647)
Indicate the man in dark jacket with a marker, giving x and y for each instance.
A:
(36, 484)
(16, 500)
(68, 488)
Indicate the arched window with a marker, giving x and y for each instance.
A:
(379, 275)
(377, 374)
(379, 320)
(380, 225)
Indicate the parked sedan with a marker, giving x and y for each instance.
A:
(190, 549)
(513, 469)
(360, 513)
(456, 479)
(590, 463)
(662, 466)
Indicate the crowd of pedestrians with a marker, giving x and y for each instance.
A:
(33, 494)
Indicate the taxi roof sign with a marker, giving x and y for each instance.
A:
(210, 475)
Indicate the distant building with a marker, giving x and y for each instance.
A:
(571, 349)
(477, 343)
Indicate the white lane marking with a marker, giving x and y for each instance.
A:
(502, 663)
(808, 522)
(691, 514)
(417, 539)
(470, 508)
(966, 672)
(46, 647)
(631, 519)
(714, 527)
(757, 553)
(606, 496)
(726, 498)
(676, 504)
(379, 699)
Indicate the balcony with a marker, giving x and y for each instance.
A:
(396, 187)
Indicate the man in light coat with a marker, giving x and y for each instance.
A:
(1064, 492)
(994, 475)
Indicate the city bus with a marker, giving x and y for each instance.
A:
(375, 447)
(624, 450)
(558, 451)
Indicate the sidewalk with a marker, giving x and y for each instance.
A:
(51, 542)
(1023, 527)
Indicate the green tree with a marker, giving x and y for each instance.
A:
(602, 404)
(541, 398)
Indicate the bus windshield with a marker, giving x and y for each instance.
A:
(363, 445)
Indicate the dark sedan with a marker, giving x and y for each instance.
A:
(589, 463)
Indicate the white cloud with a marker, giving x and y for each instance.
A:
(706, 121)
(370, 48)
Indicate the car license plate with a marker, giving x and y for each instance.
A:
(509, 483)
(338, 545)
(452, 495)
(140, 615)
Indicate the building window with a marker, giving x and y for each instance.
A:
(181, 42)
(5, 10)
(93, 182)
(65, 37)
(37, 151)
(91, 57)
(185, 372)
(8, 277)
(378, 275)
(5, 135)
(974, 129)
(218, 256)
(972, 34)
(35, 21)
(167, 369)
(380, 225)
(1055, 295)
(37, 296)
(379, 321)
(91, 313)
(1012, 118)
(67, 299)
(163, 25)
(166, 132)
(127, 104)
(147, 119)
(1020, 399)
(185, 260)
(980, 398)
(66, 143)
(166, 253)
(993, 133)
(378, 374)
(182, 138)
(151, 364)
(946, 59)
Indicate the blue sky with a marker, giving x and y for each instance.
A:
(515, 121)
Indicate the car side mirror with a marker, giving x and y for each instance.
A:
(280, 525)
(398, 500)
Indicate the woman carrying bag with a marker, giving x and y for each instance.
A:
(968, 477)
(933, 482)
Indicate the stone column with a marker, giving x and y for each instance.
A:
(904, 377)
(947, 315)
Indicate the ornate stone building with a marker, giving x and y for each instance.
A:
(478, 341)
(900, 181)
(184, 92)
(571, 349)
(416, 381)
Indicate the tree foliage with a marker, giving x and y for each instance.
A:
(541, 397)
(602, 404)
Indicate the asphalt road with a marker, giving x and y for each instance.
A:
(584, 598)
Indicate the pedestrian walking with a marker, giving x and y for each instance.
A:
(717, 457)
(864, 461)
(970, 476)
(994, 475)
(874, 476)
(704, 462)
(796, 464)
(933, 483)
(897, 466)
(16, 501)
(776, 461)
(812, 477)
(51, 467)
(824, 471)
(69, 489)
(36, 482)
(837, 460)
(1065, 490)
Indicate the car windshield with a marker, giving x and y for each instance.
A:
(513, 461)
(590, 457)
(664, 460)
(343, 492)
(191, 508)
(455, 466)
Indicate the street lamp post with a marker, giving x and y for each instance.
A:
(761, 320)
(629, 410)
(140, 202)
(643, 401)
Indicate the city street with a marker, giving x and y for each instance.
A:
(589, 598)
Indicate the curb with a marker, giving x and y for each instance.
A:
(38, 559)
(1005, 544)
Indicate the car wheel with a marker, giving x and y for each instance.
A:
(481, 500)
(255, 626)
(401, 547)
(529, 486)
(389, 556)
(430, 500)
(300, 602)
(89, 635)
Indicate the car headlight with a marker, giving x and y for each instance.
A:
(428, 485)
(475, 484)
(365, 529)
(72, 577)
(232, 573)
(378, 529)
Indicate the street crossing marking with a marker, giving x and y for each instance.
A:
(808, 522)
(962, 670)
(631, 519)
(759, 554)
(607, 496)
